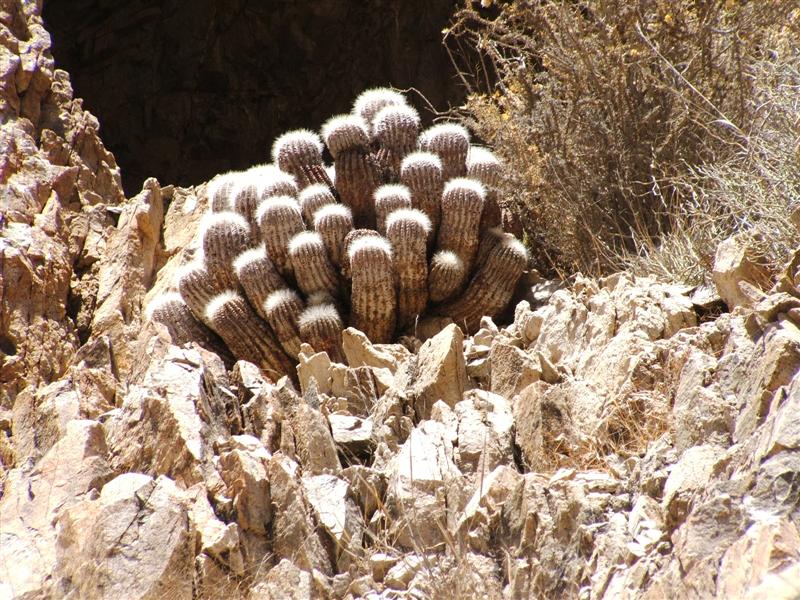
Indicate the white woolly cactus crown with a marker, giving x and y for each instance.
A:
(394, 234)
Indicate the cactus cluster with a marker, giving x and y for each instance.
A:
(403, 225)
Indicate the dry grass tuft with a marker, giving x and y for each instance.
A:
(638, 133)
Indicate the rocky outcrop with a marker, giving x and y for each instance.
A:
(615, 439)
(59, 188)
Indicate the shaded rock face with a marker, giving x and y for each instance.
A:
(188, 90)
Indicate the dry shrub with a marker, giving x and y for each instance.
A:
(619, 120)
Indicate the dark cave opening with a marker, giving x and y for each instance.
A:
(186, 90)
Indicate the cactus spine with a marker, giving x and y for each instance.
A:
(279, 220)
(395, 129)
(313, 198)
(407, 230)
(282, 309)
(257, 276)
(312, 267)
(349, 239)
(373, 301)
(299, 152)
(389, 198)
(421, 172)
(357, 173)
(219, 191)
(450, 142)
(484, 166)
(224, 235)
(321, 327)
(446, 275)
(492, 286)
(370, 102)
(197, 286)
(462, 206)
(333, 222)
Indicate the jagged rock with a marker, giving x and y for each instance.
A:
(76, 467)
(244, 470)
(284, 580)
(218, 540)
(401, 574)
(295, 535)
(352, 434)
(512, 370)
(359, 351)
(733, 264)
(766, 547)
(168, 423)
(135, 540)
(441, 371)
(127, 270)
(338, 515)
(316, 366)
(690, 475)
(485, 432)
(416, 494)
(367, 488)
(482, 513)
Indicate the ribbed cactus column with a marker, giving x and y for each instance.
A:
(407, 230)
(462, 205)
(274, 182)
(450, 142)
(258, 277)
(373, 302)
(299, 152)
(224, 236)
(333, 222)
(492, 287)
(282, 308)
(219, 191)
(321, 327)
(489, 239)
(351, 237)
(197, 286)
(446, 275)
(395, 129)
(370, 102)
(171, 310)
(313, 198)
(421, 172)
(389, 198)
(311, 265)
(247, 336)
(279, 219)
(357, 172)
(245, 197)
(484, 166)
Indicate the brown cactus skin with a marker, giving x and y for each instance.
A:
(282, 309)
(489, 239)
(219, 191)
(333, 222)
(299, 153)
(245, 197)
(450, 142)
(351, 237)
(279, 220)
(321, 327)
(311, 265)
(407, 230)
(313, 198)
(484, 166)
(462, 205)
(246, 335)
(357, 174)
(258, 277)
(421, 172)
(492, 287)
(395, 129)
(171, 310)
(273, 181)
(224, 236)
(370, 102)
(197, 286)
(373, 303)
(446, 276)
(389, 198)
